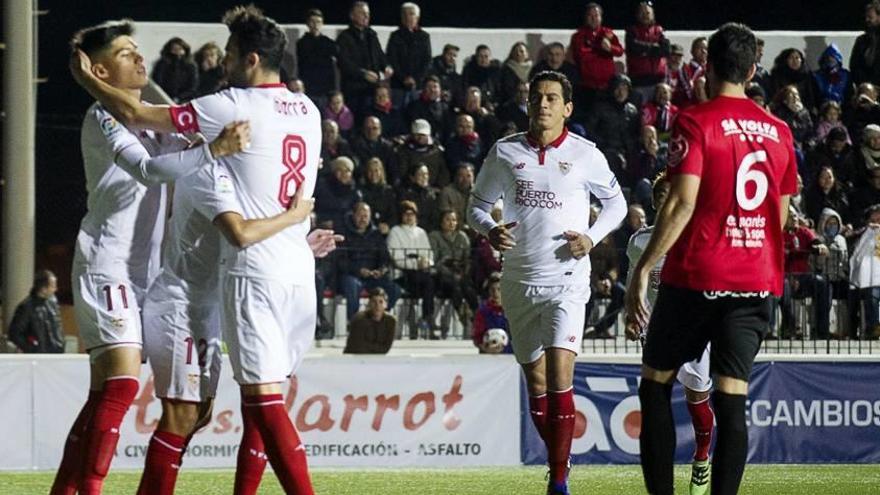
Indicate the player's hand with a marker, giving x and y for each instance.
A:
(300, 208)
(636, 312)
(236, 136)
(579, 244)
(80, 65)
(323, 241)
(500, 237)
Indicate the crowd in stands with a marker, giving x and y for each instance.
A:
(404, 134)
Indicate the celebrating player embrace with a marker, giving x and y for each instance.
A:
(546, 177)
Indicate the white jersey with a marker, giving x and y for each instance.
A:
(283, 156)
(191, 255)
(634, 251)
(547, 192)
(121, 234)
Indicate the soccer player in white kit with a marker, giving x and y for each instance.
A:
(117, 249)
(268, 288)
(546, 177)
(693, 375)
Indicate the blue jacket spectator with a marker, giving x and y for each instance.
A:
(832, 80)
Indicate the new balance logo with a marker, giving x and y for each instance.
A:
(520, 166)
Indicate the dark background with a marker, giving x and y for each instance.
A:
(61, 199)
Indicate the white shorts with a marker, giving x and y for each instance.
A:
(268, 327)
(106, 310)
(544, 316)
(182, 343)
(695, 374)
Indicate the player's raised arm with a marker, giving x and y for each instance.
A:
(124, 105)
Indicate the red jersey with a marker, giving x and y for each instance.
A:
(745, 159)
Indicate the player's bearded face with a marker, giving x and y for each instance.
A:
(120, 65)
(235, 65)
(547, 107)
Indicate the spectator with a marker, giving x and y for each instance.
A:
(335, 195)
(757, 94)
(833, 152)
(210, 77)
(788, 106)
(393, 124)
(824, 193)
(864, 62)
(431, 107)
(316, 56)
(487, 125)
(484, 73)
(646, 51)
(676, 77)
(516, 109)
(363, 260)
(412, 255)
(693, 75)
(790, 69)
(865, 273)
(593, 48)
(175, 72)
(380, 196)
(651, 158)
(515, 70)
(635, 220)
(800, 281)
(835, 266)
(443, 67)
(554, 60)
(362, 62)
(372, 331)
(419, 192)
(464, 145)
(860, 167)
(420, 149)
(863, 110)
(762, 75)
(370, 144)
(607, 287)
(338, 112)
(486, 260)
(832, 81)
(409, 54)
(660, 112)
(829, 118)
(333, 146)
(452, 253)
(36, 323)
(489, 315)
(456, 196)
(615, 123)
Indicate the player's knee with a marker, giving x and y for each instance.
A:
(694, 397)
(664, 377)
(180, 418)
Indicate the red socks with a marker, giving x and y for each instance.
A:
(283, 446)
(103, 431)
(703, 418)
(251, 453)
(560, 429)
(162, 464)
(67, 478)
(538, 412)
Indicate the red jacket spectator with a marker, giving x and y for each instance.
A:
(660, 117)
(798, 243)
(646, 49)
(595, 64)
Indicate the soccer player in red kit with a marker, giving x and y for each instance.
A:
(733, 170)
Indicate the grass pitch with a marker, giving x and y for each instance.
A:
(585, 480)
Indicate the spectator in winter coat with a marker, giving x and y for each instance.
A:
(486, 123)
(514, 71)
(762, 75)
(861, 164)
(554, 59)
(409, 54)
(593, 48)
(175, 72)
(316, 56)
(333, 146)
(419, 192)
(484, 73)
(614, 124)
(834, 153)
(832, 80)
(516, 109)
(829, 118)
(338, 112)
(790, 69)
(456, 196)
(431, 107)
(372, 331)
(865, 272)
(36, 323)
(369, 144)
(646, 50)
(362, 62)
(825, 192)
(787, 105)
(660, 112)
(864, 61)
(392, 119)
(413, 257)
(420, 149)
(452, 254)
(443, 67)
(801, 282)
(335, 195)
(464, 145)
(490, 315)
(208, 59)
(380, 196)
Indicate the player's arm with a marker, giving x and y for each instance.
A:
(134, 158)
(672, 218)
(243, 233)
(784, 202)
(488, 188)
(126, 107)
(603, 185)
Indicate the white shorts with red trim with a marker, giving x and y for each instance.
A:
(106, 311)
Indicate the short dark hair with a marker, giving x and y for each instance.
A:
(552, 75)
(42, 278)
(431, 78)
(555, 44)
(254, 32)
(732, 52)
(376, 292)
(593, 5)
(93, 39)
(697, 40)
(481, 47)
(314, 13)
(450, 46)
(873, 5)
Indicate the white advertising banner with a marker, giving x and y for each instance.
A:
(371, 411)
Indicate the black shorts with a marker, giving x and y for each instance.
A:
(684, 321)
